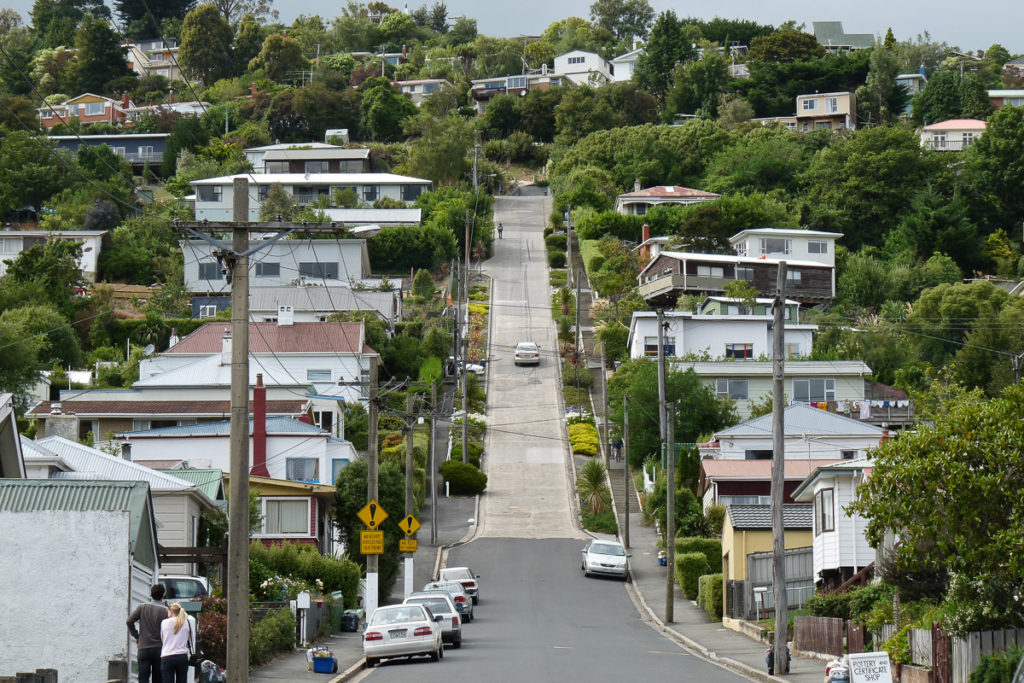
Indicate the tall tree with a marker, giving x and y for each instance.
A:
(30, 171)
(149, 14)
(279, 58)
(99, 57)
(666, 46)
(439, 152)
(881, 100)
(248, 42)
(995, 167)
(46, 274)
(16, 61)
(205, 51)
(625, 19)
(55, 20)
(940, 99)
(234, 10)
(384, 110)
(785, 45)
(697, 84)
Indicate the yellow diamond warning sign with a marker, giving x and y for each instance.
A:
(409, 525)
(371, 542)
(407, 545)
(372, 515)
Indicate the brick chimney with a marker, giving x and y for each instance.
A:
(252, 90)
(225, 347)
(259, 429)
(125, 102)
(636, 185)
(645, 251)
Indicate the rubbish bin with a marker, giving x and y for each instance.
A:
(350, 621)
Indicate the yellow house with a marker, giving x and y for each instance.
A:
(747, 532)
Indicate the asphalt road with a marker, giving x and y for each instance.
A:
(538, 619)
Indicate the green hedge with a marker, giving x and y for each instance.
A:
(573, 375)
(556, 259)
(835, 605)
(558, 241)
(463, 479)
(711, 547)
(689, 568)
(475, 451)
(711, 595)
(998, 667)
(275, 633)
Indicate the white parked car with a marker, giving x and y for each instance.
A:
(402, 631)
(464, 575)
(607, 558)
(441, 605)
(457, 593)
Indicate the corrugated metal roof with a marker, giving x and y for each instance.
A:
(275, 425)
(338, 337)
(83, 459)
(794, 516)
(209, 481)
(957, 124)
(316, 154)
(342, 179)
(148, 409)
(671, 192)
(320, 299)
(800, 418)
(760, 470)
(756, 368)
(34, 495)
(378, 216)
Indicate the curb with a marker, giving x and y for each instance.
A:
(349, 672)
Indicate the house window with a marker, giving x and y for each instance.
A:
(208, 310)
(302, 469)
(809, 105)
(324, 419)
(745, 273)
(741, 249)
(807, 390)
(210, 271)
(267, 269)
(283, 516)
(146, 152)
(817, 247)
(710, 271)
(805, 127)
(793, 277)
(848, 455)
(47, 114)
(757, 455)
(736, 389)
(831, 105)
(739, 350)
(793, 351)
(576, 60)
(337, 465)
(824, 512)
(262, 192)
(319, 270)
(342, 188)
(519, 82)
(370, 193)
(651, 347)
(276, 166)
(210, 193)
(95, 108)
(411, 192)
(316, 167)
(10, 245)
(318, 375)
(776, 245)
(823, 125)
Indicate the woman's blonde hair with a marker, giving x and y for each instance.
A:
(178, 614)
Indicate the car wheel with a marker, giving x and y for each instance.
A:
(370, 662)
(440, 651)
(457, 643)
(476, 599)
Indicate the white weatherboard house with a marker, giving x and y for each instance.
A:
(316, 304)
(784, 244)
(954, 135)
(214, 196)
(841, 548)
(285, 262)
(13, 242)
(78, 557)
(715, 336)
(12, 462)
(583, 68)
(177, 504)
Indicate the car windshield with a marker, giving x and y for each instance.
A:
(397, 615)
(607, 549)
(527, 347)
(461, 573)
(182, 588)
(437, 606)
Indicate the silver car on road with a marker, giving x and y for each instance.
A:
(402, 631)
(606, 558)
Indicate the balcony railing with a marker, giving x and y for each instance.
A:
(948, 145)
(142, 157)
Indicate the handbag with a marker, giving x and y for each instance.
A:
(194, 658)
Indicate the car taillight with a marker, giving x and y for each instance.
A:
(422, 631)
(372, 635)
(459, 598)
(470, 584)
(455, 621)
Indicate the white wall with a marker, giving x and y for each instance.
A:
(66, 592)
(797, 448)
(287, 254)
(847, 545)
(175, 512)
(223, 210)
(799, 251)
(697, 334)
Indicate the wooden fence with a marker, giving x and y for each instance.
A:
(818, 634)
(921, 646)
(966, 652)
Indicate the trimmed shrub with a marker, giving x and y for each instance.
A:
(274, 633)
(711, 547)
(558, 241)
(583, 438)
(835, 605)
(689, 568)
(573, 375)
(556, 259)
(463, 479)
(558, 278)
(998, 667)
(603, 522)
(711, 595)
(475, 450)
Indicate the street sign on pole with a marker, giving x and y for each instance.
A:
(372, 515)
(409, 525)
(407, 545)
(371, 542)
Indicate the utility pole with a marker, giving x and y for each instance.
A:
(579, 341)
(568, 243)
(409, 466)
(476, 152)
(465, 351)
(238, 484)
(625, 453)
(433, 464)
(670, 518)
(372, 577)
(662, 419)
(778, 474)
(604, 403)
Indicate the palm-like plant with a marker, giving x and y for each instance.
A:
(592, 485)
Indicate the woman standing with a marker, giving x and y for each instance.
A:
(178, 641)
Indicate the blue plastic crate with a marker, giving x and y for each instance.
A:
(325, 665)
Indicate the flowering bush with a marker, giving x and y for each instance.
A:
(583, 438)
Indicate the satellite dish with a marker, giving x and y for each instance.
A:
(149, 350)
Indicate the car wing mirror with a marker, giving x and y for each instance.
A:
(478, 576)
(439, 618)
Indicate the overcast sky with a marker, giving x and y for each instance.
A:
(974, 26)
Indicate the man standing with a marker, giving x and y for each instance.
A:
(499, 230)
(147, 635)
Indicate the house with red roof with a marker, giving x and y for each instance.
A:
(640, 201)
(954, 135)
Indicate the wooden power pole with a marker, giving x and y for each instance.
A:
(778, 474)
